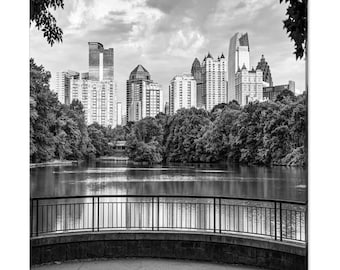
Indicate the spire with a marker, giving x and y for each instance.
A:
(252, 69)
(196, 63)
(209, 55)
(238, 69)
(222, 56)
(244, 66)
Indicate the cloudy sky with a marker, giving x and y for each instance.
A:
(166, 35)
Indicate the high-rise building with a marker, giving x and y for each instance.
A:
(182, 93)
(167, 107)
(119, 113)
(271, 92)
(124, 120)
(214, 80)
(100, 62)
(248, 85)
(267, 76)
(134, 92)
(237, 57)
(153, 100)
(63, 85)
(143, 96)
(196, 71)
(99, 99)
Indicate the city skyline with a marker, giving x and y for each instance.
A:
(166, 37)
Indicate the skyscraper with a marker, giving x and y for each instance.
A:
(96, 89)
(167, 107)
(63, 80)
(143, 96)
(248, 85)
(152, 102)
(119, 114)
(214, 80)
(182, 93)
(100, 62)
(238, 56)
(196, 71)
(267, 76)
(99, 100)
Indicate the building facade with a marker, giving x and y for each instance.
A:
(99, 99)
(182, 93)
(167, 107)
(143, 96)
(214, 72)
(239, 55)
(119, 113)
(63, 83)
(248, 85)
(196, 72)
(101, 63)
(271, 92)
(267, 76)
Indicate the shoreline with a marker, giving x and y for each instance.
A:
(54, 163)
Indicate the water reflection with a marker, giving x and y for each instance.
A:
(99, 178)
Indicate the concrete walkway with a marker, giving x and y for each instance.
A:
(141, 264)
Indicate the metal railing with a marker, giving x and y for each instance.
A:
(274, 219)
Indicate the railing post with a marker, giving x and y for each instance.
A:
(214, 215)
(93, 213)
(37, 219)
(306, 224)
(158, 214)
(220, 212)
(275, 218)
(152, 212)
(98, 214)
(31, 218)
(281, 221)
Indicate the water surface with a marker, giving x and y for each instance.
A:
(108, 177)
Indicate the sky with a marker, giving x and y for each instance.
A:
(165, 36)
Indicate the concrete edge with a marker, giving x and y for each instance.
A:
(290, 248)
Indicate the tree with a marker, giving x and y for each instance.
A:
(56, 130)
(43, 108)
(98, 139)
(296, 25)
(185, 129)
(44, 20)
(144, 142)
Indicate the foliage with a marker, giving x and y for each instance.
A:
(296, 25)
(42, 17)
(186, 127)
(267, 133)
(56, 131)
(144, 143)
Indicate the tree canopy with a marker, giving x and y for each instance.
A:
(266, 133)
(44, 20)
(296, 25)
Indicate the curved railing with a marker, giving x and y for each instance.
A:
(273, 219)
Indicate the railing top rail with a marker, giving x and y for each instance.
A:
(171, 196)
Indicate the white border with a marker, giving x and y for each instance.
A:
(324, 99)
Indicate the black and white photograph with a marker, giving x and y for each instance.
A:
(168, 134)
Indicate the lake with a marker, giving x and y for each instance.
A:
(112, 178)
